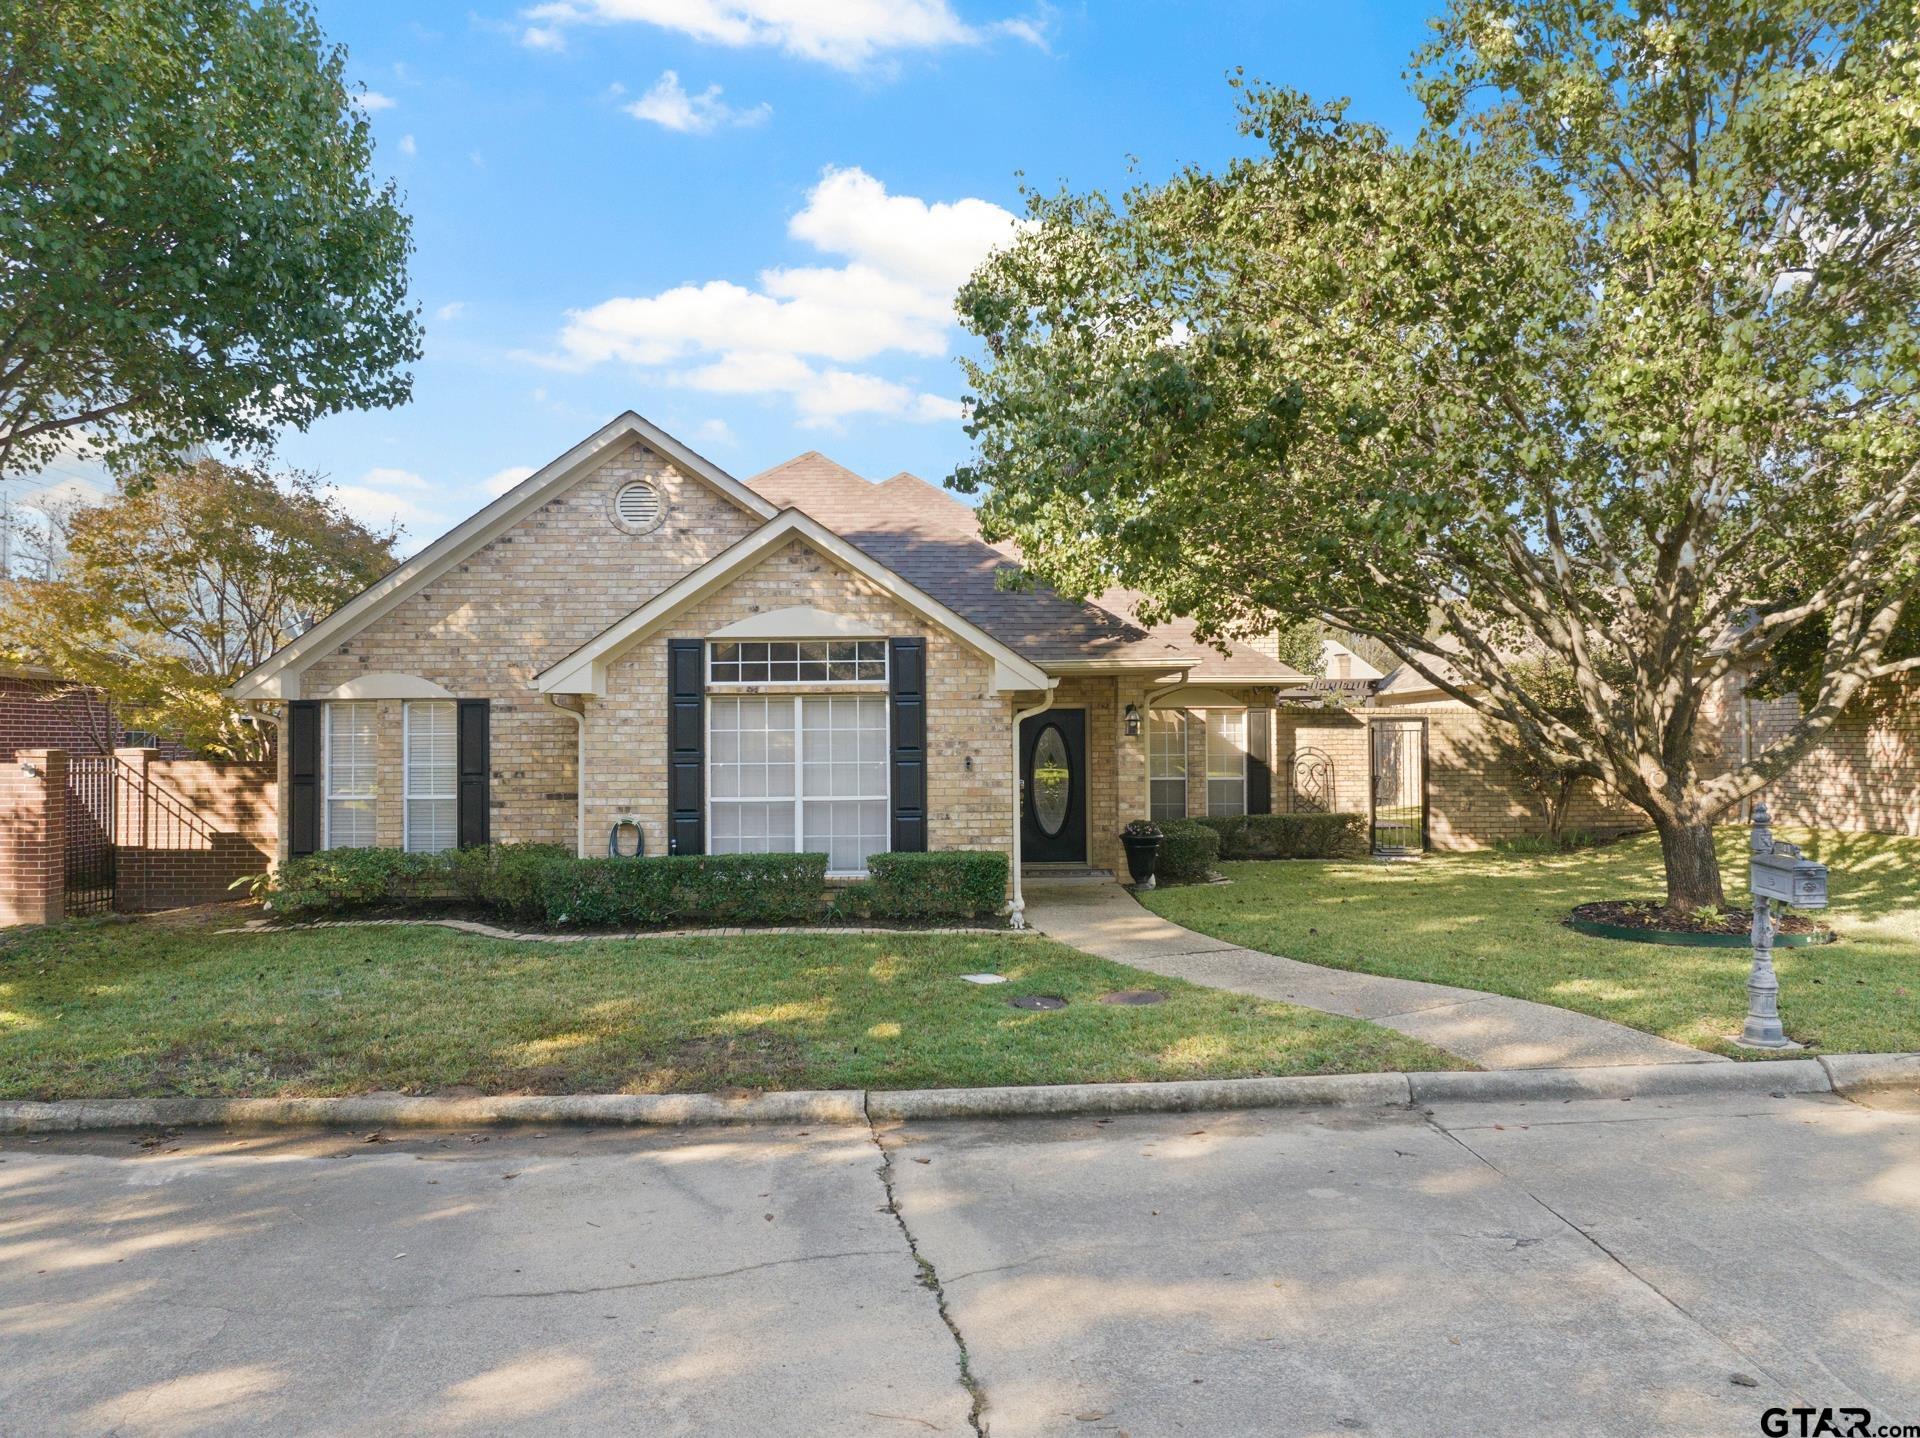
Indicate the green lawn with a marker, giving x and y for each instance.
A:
(1491, 921)
(166, 1006)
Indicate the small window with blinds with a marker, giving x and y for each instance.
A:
(638, 507)
(1167, 763)
(432, 770)
(351, 769)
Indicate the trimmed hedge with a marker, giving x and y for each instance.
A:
(1289, 836)
(1188, 851)
(544, 883)
(958, 884)
(510, 879)
(341, 880)
(687, 888)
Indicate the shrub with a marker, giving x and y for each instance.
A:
(1187, 852)
(343, 880)
(686, 888)
(509, 879)
(954, 884)
(1289, 836)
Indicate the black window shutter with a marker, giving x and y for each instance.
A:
(303, 777)
(475, 745)
(1259, 774)
(907, 689)
(686, 745)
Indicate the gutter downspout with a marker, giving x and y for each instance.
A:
(1017, 908)
(579, 718)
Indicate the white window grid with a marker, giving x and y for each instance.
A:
(350, 779)
(789, 662)
(1167, 764)
(430, 770)
(803, 780)
(1226, 761)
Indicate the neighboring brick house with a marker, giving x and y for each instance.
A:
(633, 638)
(41, 710)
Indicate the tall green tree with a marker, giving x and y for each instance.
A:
(193, 245)
(172, 589)
(1617, 355)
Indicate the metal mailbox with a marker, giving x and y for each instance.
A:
(1785, 875)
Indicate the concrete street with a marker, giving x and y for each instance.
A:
(1598, 1267)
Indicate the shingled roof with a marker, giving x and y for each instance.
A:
(930, 538)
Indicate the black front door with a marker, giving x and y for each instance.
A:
(1053, 787)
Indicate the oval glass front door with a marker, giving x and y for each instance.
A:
(1052, 781)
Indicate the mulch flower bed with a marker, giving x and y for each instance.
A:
(1645, 914)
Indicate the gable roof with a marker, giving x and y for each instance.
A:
(584, 671)
(933, 539)
(277, 676)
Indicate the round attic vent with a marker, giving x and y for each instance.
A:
(637, 507)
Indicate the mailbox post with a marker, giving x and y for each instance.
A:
(1777, 871)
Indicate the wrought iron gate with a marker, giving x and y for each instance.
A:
(1399, 786)
(93, 782)
(1309, 781)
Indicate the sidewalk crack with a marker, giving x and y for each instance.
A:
(929, 1279)
(1752, 1360)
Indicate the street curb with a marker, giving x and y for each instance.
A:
(1852, 1072)
(1622, 1081)
(1837, 1073)
(399, 1111)
(1384, 1090)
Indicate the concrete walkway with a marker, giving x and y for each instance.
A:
(1100, 917)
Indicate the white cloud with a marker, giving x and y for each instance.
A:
(502, 480)
(715, 431)
(407, 145)
(543, 37)
(668, 105)
(372, 101)
(843, 33)
(451, 310)
(894, 296)
(394, 479)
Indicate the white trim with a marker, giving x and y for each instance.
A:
(801, 621)
(277, 677)
(388, 686)
(585, 670)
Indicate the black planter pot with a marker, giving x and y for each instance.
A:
(1142, 851)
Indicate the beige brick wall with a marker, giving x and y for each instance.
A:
(969, 754)
(1864, 775)
(528, 598)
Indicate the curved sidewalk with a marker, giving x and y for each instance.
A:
(1496, 1032)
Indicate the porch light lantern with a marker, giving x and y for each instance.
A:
(1133, 721)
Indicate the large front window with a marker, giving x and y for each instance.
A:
(1226, 761)
(804, 773)
(1167, 764)
(351, 769)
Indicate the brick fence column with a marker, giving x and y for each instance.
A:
(132, 841)
(33, 837)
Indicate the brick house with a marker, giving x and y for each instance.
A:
(631, 639)
(632, 643)
(40, 710)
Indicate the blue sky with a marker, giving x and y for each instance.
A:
(745, 218)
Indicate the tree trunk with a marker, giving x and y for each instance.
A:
(1557, 807)
(1693, 868)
